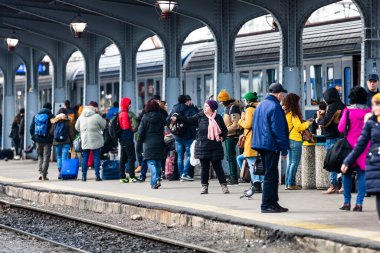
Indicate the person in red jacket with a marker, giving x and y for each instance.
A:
(127, 151)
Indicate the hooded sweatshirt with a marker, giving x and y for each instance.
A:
(330, 120)
(125, 121)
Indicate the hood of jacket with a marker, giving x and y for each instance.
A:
(331, 96)
(88, 111)
(179, 108)
(60, 117)
(124, 104)
(153, 117)
(237, 103)
(45, 111)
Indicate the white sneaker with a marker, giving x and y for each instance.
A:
(17, 157)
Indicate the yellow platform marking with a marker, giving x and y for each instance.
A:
(266, 218)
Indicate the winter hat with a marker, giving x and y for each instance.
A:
(213, 104)
(223, 96)
(376, 97)
(93, 104)
(182, 99)
(47, 106)
(251, 97)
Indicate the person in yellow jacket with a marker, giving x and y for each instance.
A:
(296, 126)
(250, 100)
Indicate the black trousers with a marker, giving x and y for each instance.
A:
(205, 170)
(127, 154)
(270, 189)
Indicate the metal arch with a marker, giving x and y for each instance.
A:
(107, 25)
(118, 13)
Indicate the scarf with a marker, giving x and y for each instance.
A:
(213, 128)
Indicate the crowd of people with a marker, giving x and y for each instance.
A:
(254, 133)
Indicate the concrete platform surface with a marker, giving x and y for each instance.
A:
(311, 212)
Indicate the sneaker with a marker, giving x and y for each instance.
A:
(59, 177)
(123, 181)
(294, 187)
(134, 180)
(40, 178)
(225, 188)
(186, 178)
(45, 178)
(345, 207)
(358, 208)
(156, 186)
(232, 182)
(17, 157)
(331, 190)
(204, 189)
(141, 179)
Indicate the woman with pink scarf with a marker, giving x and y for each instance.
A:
(208, 149)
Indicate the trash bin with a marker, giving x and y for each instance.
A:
(322, 176)
(308, 165)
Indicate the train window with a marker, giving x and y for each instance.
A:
(209, 86)
(330, 77)
(244, 83)
(272, 76)
(158, 88)
(347, 83)
(150, 88)
(116, 93)
(316, 84)
(199, 91)
(257, 81)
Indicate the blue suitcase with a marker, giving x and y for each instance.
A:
(70, 168)
(110, 170)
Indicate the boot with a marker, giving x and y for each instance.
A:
(345, 207)
(204, 189)
(225, 188)
(59, 174)
(333, 189)
(258, 187)
(84, 177)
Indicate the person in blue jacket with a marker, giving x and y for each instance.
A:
(113, 111)
(270, 138)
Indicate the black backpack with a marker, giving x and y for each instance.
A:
(341, 149)
(60, 131)
(114, 128)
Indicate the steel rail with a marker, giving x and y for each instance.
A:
(18, 231)
(113, 228)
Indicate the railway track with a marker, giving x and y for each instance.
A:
(82, 235)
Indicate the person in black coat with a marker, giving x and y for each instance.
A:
(370, 133)
(211, 133)
(329, 120)
(151, 135)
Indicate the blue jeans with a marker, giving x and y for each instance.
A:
(183, 146)
(85, 155)
(62, 151)
(347, 186)
(333, 175)
(294, 161)
(155, 171)
(251, 161)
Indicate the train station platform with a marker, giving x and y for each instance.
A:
(311, 214)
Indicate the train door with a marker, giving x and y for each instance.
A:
(316, 84)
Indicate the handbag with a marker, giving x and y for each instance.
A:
(77, 144)
(307, 136)
(341, 149)
(258, 167)
(242, 138)
(245, 175)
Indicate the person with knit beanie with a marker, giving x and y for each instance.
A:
(232, 112)
(40, 132)
(211, 133)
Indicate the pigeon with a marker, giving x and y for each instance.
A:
(249, 193)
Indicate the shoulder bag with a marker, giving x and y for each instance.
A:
(341, 149)
(242, 139)
(258, 167)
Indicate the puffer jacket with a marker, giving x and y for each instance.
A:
(270, 130)
(332, 116)
(42, 139)
(231, 118)
(356, 119)
(70, 129)
(186, 111)
(296, 127)
(90, 125)
(370, 133)
(205, 148)
(151, 134)
(246, 124)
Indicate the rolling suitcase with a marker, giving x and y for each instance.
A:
(110, 170)
(70, 169)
